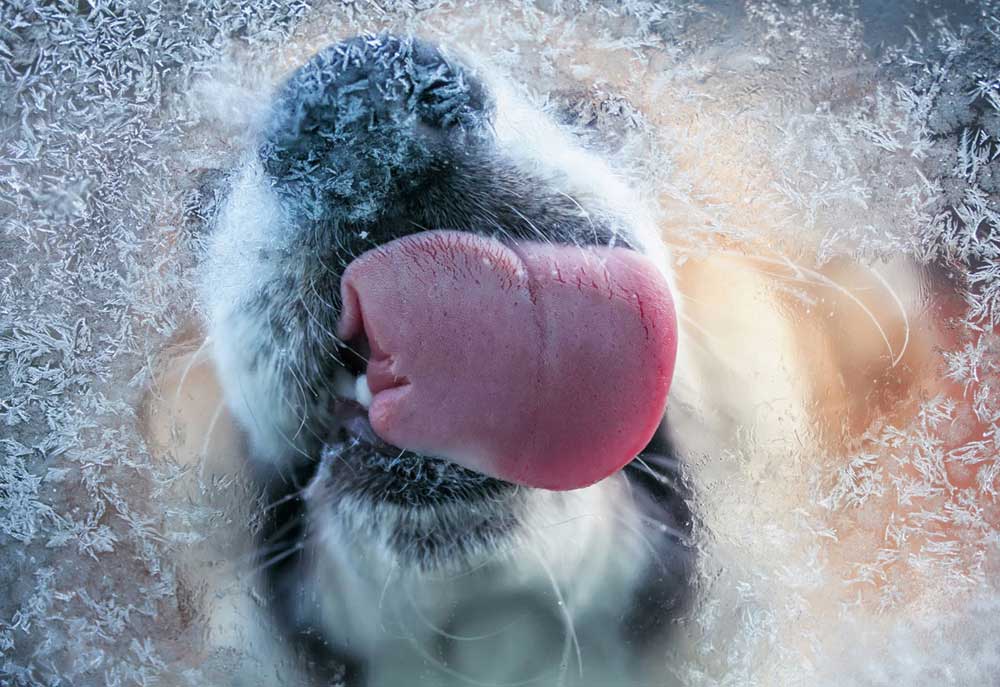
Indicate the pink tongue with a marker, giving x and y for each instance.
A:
(539, 364)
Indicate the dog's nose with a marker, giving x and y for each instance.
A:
(368, 112)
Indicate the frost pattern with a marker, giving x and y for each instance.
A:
(110, 113)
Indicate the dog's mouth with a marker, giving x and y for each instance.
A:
(532, 363)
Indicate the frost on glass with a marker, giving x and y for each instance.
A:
(782, 147)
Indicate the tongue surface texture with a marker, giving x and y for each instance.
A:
(538, 364)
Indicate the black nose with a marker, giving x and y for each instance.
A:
(364, 117)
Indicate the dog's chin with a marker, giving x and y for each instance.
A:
(428, 512)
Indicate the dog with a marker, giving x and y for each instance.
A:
(380, 565)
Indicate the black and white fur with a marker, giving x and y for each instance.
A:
(405, 568)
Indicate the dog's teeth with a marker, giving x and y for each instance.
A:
(362, 394)
(344, 384)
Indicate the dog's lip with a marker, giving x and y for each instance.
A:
(370, 468)
(353, 421)
(354, 428)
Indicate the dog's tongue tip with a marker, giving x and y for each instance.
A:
(538, 364)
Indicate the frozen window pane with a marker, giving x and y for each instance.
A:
(826, 177)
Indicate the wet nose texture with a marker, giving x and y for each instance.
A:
(539, 364)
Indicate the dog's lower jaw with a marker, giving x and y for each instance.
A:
(556, 578)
